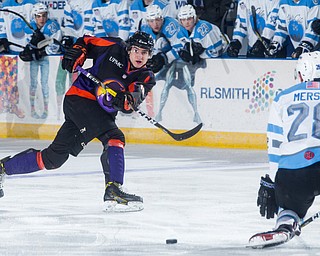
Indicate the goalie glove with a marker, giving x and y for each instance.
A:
(303, 47)
(234, 48)
(74, 57)
(266, 198)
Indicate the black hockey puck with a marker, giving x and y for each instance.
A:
(171, 241)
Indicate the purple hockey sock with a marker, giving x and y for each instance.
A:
(24, 162)
(116, 163)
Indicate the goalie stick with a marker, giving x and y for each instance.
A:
(255, 27)
(175, 136)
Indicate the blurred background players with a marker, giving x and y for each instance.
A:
(108, 18)
(197, 40)
(295, 18)
(12, 29)
(72, 26)
(164, 32)
(293, 150)
(137, 12)
(44, 29)
(244, 38)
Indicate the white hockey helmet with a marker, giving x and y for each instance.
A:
(187, 11)
(39, 8)
(154, 12)
(308, 66)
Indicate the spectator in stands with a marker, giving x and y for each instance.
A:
(295, 18)
(109, 18)
(12, 30)
(43, 29)
(266, 16)
(137, 12)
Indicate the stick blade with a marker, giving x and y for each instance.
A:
(185, 135)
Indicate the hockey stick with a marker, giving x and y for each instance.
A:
(18, 14)
(255, 27)
(223, 21)
(10, 43)
(175, 136)
(309, 220)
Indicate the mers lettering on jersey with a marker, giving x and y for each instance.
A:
(306, 95)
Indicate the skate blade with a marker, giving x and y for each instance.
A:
(261, 241)
(113, 206)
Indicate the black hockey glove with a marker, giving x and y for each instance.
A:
(136, 95)
(67, 41)
(36, 37)
(4, 45)
(157, 62)
(30, 54)
(122, 102)
(302, 48)
(74, 57)
(266, 198)
(273, 49)
(234, 48)
(315, 26)
(185, 54)
(258, 50)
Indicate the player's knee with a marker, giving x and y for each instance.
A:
(53, 160)
(113, 137)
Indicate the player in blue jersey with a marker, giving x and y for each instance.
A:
(12, 30)
(73, 26)
(164, 31)
(45, 29)
(294, 19)
(108, 18)
(138, 9)
(293, 149)
(90, 112)
(266, 17)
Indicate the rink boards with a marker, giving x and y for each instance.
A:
(231, 96)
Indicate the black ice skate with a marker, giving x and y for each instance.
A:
(115, 200)
(2, 175)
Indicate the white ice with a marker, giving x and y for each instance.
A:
(203, 197)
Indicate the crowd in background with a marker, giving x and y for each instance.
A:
(185, 33)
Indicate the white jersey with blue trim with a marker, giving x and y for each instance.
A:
(294, 20)
(12, 26)
(294, 127)
(174, 6)
(74, 17)
(51, 29)
(109, 19)
(165, 38)
(137, 13)
(266, 16)
(208, 35)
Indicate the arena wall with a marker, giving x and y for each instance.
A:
(233, 97)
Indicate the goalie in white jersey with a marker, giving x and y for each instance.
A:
(293, 149)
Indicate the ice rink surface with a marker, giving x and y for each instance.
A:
(203, 197)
